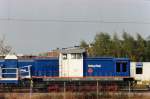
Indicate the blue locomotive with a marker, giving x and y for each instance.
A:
(72, 65)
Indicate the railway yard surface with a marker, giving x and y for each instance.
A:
(69, 95)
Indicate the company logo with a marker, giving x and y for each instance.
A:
(90, 70)
(96, 65)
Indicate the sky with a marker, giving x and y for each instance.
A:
(34, 26)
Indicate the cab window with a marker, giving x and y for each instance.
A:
(73, 56)
(76, 56)
(118, 67)
(79, 56)
(124, 67)
(139, 70)
(121, 66)
(64, 56)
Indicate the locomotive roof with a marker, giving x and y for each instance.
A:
(106, 58)
(72, 50)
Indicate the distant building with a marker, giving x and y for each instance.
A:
(2, 56)
(24, 57)
(54, 53)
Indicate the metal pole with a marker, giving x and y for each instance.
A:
(64, 90)
(97, 90)
(129, 89)
(31, 85)
(78, 93)
(79, 87)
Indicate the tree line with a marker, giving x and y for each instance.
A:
(136, 48)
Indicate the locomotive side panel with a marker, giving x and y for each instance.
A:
(105, 67)
(45, 68)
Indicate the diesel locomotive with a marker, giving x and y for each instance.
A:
(72, 67)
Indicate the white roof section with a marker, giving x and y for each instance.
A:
(11, 57)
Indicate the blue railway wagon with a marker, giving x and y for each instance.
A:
(45, 68)
(105, 67)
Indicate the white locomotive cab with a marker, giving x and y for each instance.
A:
(71, 62)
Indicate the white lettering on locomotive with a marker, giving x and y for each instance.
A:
(96, 65)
